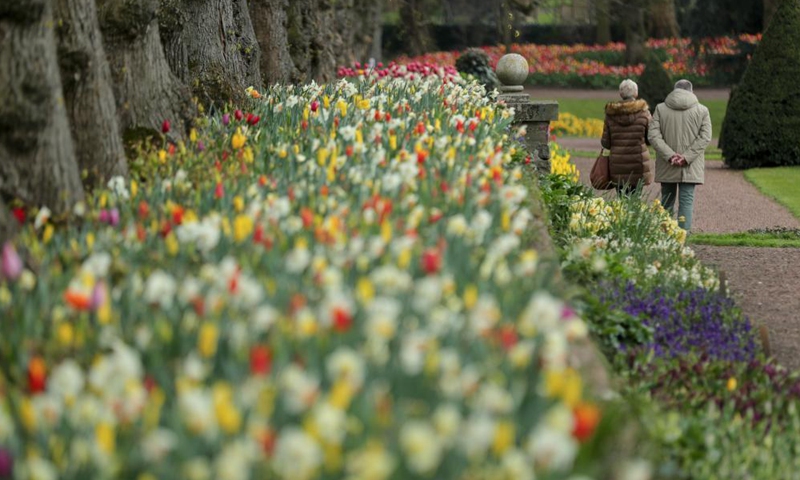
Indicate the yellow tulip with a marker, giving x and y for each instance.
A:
(66, 333)
(470, 296)
(238, 140)
(207, 340)
(171, 242)
(238, 203)
(242, 228)
(48, 234)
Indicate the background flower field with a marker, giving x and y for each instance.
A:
(602, 66)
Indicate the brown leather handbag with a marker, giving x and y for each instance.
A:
(601, 173)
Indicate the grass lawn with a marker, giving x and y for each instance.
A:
(745, 239)
(595, 108)
(712, 153)
(780, 183)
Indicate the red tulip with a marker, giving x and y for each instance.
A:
(165, 127)
(431, 261)
(37, 375)
(342, 320)
(260, 360)
(19, 214)
(587, 417)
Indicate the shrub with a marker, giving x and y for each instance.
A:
(762, 122)
(476, 62)
(654, 84)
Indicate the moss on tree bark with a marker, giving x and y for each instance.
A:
(212, 47)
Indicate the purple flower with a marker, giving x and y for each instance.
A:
(11, 264)
(200, 146)
(696, 321)
(226, 119)
(6, 463)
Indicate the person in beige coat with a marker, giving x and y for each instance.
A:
(679, 132)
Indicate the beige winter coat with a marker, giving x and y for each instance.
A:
(680, 125)
(625, 135)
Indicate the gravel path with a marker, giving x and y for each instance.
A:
(764, 281)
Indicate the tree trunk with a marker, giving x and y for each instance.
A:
(313, 40)
(603, 13)
(376, 50)
(37, 156)
(88, 93)
(270, 23)
(417, 36)
(635, 33)
(8, 224)
(147, 92)
(769, 10)
(211, 45)
(505, 24)
(662, 18)
(363, 42)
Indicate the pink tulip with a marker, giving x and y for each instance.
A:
(6, 463)
(11, 265)
(99, 295)
(113, 217)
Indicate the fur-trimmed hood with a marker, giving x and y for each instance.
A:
(626, 108)
(626, 113)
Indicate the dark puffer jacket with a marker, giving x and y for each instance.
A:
(625, 134)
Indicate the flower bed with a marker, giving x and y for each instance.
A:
(572, 126)
(600, 66)
(332, 285)
(710, 404)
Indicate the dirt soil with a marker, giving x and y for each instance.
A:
(764, 281)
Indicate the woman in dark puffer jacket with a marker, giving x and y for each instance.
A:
(625, 135)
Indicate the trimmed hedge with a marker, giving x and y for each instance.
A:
(655, 83)
(762, 125)
(476, 62)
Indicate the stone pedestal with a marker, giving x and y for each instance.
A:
(512, 71)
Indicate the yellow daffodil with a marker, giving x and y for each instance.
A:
(504, 437)
(105, 437)
(731, 386)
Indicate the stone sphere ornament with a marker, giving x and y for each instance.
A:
(512, 71)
